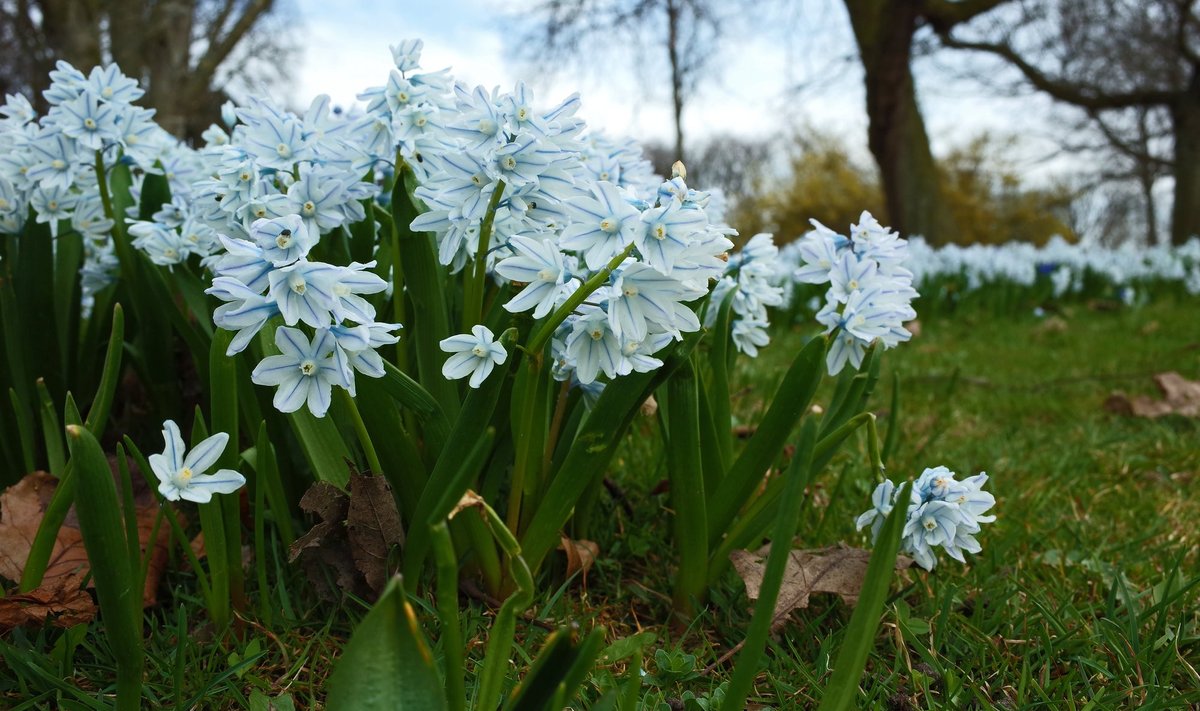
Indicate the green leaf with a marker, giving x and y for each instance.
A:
(746, 667)
(788, 405)
(113, 575)
(842, 691)
(593, 448)
(410, 394)
(452, 474)
(64, 493)
(425, 278)
(51, 431)
(718, 387)
(387, 665)
(557, 672)
(687, 488)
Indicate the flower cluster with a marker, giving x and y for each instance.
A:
(557, 208)
(870, 292)
(269, 275)
(49, 163)
(942, 512)
(756, 281)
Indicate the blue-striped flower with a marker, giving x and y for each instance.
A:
(474, 354)
(183, 476)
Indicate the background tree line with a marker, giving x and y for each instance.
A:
(1130, 67)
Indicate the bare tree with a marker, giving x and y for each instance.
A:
(1125, 62)
(885, 31)
(181, 50)
(585, 31)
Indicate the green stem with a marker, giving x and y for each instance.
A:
(360, 429)
(746, 667)
(687, 489)
(556, 421)
(474, 288)
(597, 280)
(447, 604)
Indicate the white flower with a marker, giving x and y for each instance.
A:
(305, 372)
(474, 354)
(184, 477)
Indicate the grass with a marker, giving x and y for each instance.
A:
(1084, 597)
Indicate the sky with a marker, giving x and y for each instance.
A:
(749, 91)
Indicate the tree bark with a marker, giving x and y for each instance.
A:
(676, 73)
(897, 138)
(1185, 117)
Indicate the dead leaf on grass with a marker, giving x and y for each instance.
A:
(1180, 397)
(354, 536)
(581, 556)
(838, 570)
(22, 507)
(373, 525)
(60, 600)
(1052, 324)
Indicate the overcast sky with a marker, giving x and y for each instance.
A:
(749, 90)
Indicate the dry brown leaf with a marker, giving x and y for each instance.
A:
(469, 500)
(326, 544)
(649, 407)
(1180, 397)
(1052, 324)
(22, 507)
(914, 327)
(353, 536)
(581, 556)
(373, 527)
(60, 600)
(838, 569)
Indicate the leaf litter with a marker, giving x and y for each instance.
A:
(62, 597)
(838, 570)
(354, 536)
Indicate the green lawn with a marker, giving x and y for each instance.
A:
(1085, 596)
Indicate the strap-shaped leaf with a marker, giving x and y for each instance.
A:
(425, 278)
(787, 407)
(842, 691)
(103, 530)
(593, 448)
(387, 665)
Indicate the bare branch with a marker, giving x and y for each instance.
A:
(1085, 96)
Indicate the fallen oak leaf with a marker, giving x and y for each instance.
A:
(373, 528)
(1180, 397)
(60, 600)
(354, 536)
(326, 542)
(839, 570)
(24, 504)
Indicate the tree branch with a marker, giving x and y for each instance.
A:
(944, 14)
(1088, 97)
(216, 53)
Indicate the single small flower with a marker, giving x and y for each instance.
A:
(304, 372)
(473, 354)
(184, 476)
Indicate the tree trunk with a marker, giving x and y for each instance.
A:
(912, 186)
(676, 73)
(1185, 117)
